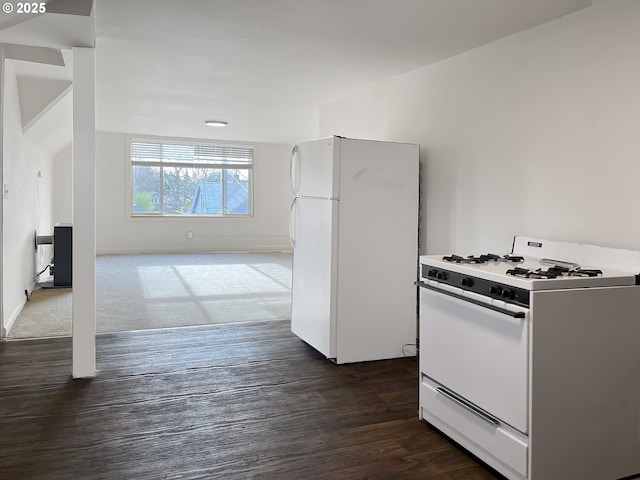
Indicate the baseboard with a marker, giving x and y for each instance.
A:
(6, 330)
(158, 251)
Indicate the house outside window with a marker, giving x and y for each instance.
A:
(179, 178)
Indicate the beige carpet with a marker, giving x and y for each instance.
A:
(138, 292)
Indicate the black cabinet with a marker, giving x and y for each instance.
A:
(62, 255)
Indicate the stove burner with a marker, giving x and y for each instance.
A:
(549, 273)
(469, 259)
(585, 273)
(453, 258)
(539, 273)
(553, 272)
(518, 272)
(556, 271)
(526, 273)
(488, 257)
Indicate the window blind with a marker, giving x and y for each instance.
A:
(155, 152)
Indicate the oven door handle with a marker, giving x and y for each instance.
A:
(495, 308)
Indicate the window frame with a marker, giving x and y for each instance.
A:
(249, 167)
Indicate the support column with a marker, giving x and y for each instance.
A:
(84, 213)
(3, 332)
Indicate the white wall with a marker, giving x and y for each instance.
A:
(537, 134)
(26, 208)
(62, 184)
(117, 232)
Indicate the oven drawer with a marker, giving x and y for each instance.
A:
(496, 443)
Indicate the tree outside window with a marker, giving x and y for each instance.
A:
(191, 179)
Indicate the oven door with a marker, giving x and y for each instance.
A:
(476, 349)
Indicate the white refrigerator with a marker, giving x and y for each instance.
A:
(354, 232)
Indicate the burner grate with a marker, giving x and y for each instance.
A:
(553, 272)
(485, 258)
(454, 259)
(585, 273)
(526, 273)
(519, 272)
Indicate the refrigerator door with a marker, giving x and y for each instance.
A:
(377, 249)
(313, 310)
(314, 171)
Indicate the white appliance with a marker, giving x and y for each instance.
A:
(354, 232)
(531, 360)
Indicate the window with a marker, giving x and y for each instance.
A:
(190, 179)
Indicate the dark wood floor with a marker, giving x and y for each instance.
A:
(223, 402)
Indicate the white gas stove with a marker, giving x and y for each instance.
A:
(539, 265)
(531, 359)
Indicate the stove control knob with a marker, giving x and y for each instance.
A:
(432, 273)
(495, 290)
(442, 276)
(467, 282)
(508, 293)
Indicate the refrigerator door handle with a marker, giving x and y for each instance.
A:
(292, 172)
(292, 227)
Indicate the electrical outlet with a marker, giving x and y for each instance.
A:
(189, 235)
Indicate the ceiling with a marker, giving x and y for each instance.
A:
(265, 66)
